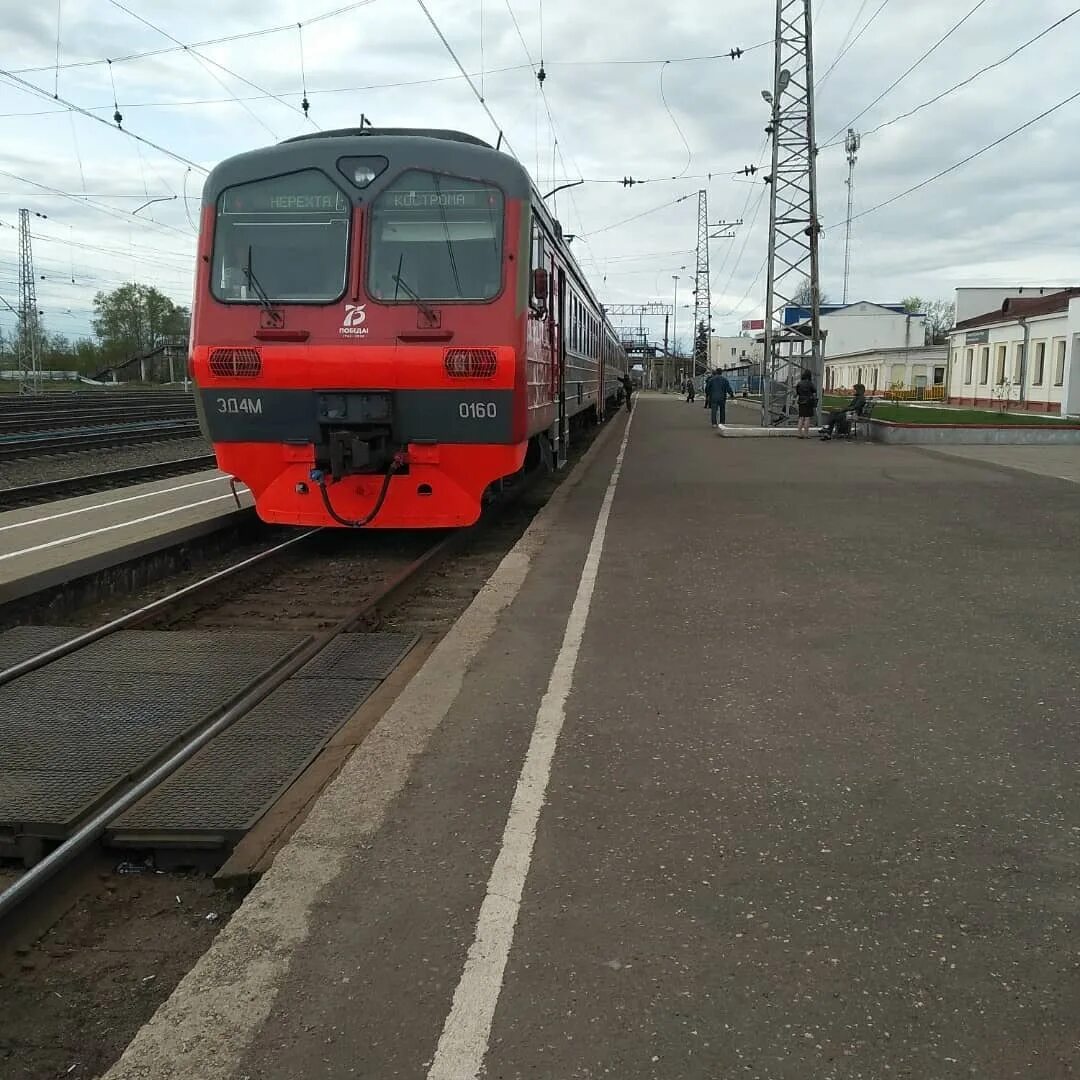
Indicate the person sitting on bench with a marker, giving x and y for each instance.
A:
(838, 418)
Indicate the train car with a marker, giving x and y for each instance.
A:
(386, 323)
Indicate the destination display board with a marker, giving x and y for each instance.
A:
(300, 193)
(447, 199)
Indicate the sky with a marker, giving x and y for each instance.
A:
(610, 108)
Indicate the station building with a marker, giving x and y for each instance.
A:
(882, 346)
(1022, 354)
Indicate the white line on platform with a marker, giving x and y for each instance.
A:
(117, 525)
(113, 502)
(467, 1031)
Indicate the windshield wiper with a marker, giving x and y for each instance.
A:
(253, 282)
(400, 282)
(449, 242)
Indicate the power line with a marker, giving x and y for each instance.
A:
(123, 215)
(30, 88)
(849, 45)
(671, 117)
(205, 61)
(893, 85)
(963, 82)
(509, 68)
(644, 213)
(971, 157)
(200, 44)
(468, 78)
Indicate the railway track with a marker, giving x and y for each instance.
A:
(230, 602)
(68, 487)
(40, 444)
(321, 597)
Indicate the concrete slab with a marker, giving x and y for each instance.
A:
(1061, 462)
(49, 545)
(813, 811)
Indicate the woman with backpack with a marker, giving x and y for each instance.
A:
(806, 398)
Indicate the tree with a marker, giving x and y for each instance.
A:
(803, 298)
(701, 346)
(940, 317)
(134, 319)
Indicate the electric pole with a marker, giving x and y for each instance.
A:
(793, 216)
(702, 294)
(851, 145)
(27, 351)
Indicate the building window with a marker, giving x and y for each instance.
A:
(1018, 365)
(999, 372)
(969, 363)
(939, 376)
(984, 366)
(1040, 364)
(1059, 364)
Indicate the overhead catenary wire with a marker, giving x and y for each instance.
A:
(123, 215)
(468, 78)
(849, 45)
(226, 39)
(964, 161)
(205, 61)
(37, 91)
(644, 213)
(963, 82)
(900, 78)
(671, 117)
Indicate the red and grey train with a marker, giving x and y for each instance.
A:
(387, 322)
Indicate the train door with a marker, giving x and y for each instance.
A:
(558, 367)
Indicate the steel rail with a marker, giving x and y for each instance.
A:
(47, 490)
(88, 833)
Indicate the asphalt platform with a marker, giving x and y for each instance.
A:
(813, 810)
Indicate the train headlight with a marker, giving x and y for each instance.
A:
(362, 170)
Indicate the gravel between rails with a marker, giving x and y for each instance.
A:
(86, 462)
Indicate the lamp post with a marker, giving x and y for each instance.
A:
(675, 318)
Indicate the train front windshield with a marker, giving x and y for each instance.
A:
(436, 238)
(280, 240)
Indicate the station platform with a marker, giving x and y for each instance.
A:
(52, 544)
(754, 758)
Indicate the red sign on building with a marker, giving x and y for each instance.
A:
(753, 324)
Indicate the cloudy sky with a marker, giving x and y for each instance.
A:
(1006, 217)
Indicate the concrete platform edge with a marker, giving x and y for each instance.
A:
(213, 1015)
(56, 576)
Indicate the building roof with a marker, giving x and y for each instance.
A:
(926, 351)
(796, 314)
(1022, 307)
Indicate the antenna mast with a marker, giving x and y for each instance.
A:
(851, 145)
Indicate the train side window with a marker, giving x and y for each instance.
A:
(538, 248)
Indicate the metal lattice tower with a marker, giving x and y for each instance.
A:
(851, 145)
(702, 292)
(27, 350)
(793, 219)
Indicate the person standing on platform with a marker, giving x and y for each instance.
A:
(806, 398)
(717, 392)
(628, 389)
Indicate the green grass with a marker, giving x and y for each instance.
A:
(907, 414)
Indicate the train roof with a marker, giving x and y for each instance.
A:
(406, 148)
(374, 132)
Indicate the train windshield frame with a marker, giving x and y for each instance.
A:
(282, 239)
(436, 238)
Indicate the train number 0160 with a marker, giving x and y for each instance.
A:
(478, 410)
